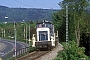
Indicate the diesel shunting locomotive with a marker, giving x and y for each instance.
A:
(45, 36)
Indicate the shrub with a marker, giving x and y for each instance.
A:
(71, 52)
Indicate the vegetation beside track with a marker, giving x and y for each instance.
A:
(71, 52)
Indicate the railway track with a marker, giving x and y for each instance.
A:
(34, 55)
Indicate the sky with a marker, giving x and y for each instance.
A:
(44, 4)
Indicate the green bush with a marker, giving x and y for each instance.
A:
(71, 52)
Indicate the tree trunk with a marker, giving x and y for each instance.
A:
(77, 33)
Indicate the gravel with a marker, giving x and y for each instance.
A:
(52, 54)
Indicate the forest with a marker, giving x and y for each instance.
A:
(19, 14)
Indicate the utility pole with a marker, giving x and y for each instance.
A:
(29, 34)
(26, 32)
(66, 24)
(15, 35)
(2, 33)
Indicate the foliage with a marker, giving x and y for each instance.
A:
(71, 52)
(7, 30)
(56, 19)
(59, 23)
(78, 19)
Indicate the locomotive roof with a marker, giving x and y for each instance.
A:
(47, 22)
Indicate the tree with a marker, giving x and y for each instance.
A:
(59, 23)
(76, 17)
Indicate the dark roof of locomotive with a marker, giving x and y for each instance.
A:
(46, 22)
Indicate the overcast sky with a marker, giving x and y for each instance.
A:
(45, 4)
